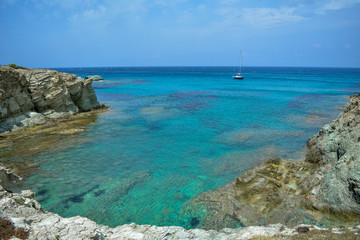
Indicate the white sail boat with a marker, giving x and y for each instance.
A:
(238, 76)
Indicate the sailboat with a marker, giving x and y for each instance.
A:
(238, 76)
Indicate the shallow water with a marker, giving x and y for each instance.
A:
(172, 133)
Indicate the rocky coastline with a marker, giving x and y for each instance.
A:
(30, 97)
(25, 213)
(323, 189)
(286, 198)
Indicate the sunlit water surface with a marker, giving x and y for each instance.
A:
(172, 133)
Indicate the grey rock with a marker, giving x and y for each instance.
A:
(87, 99)
(336, 150)
(41, 90)
(13, 106)
(33, 118)
(7, 178)
(94, 77)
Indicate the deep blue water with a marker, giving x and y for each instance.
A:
(174, 132)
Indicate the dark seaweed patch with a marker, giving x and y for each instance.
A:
(192, 106)
(153, 127)
(41, 192)
(98, 193)
(194, 222)
(78, 198)
(298, 102)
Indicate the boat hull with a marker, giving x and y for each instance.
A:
(238, 77)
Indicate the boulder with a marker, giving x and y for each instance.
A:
(94, 77)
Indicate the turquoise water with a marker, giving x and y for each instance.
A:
(172, 133)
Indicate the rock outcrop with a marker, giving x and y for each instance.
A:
(324, 189)
(336, 152)
(94, 77)
(7, 177)
(29, 96)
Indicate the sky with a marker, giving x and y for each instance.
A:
(116, 33)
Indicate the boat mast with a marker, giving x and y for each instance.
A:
(240, 62)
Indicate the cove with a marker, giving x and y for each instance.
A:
(172, 133)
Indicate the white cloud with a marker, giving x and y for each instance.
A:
(259, 17)
(94, 13)
(269, 17)
(110, 12)
(336, 5)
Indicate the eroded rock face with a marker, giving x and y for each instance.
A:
(336, 150)
(7, 178)
(322, 189)
(29, 96)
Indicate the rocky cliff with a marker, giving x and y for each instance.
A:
(29, 96)
(324, 189)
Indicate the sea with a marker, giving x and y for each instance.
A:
(172, 133)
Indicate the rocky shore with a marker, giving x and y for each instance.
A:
(24, 213)
(323, 189)
(287, 198)
(29, 97)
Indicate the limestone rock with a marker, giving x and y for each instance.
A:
(24, 91)
(7, 178)
(94, 77)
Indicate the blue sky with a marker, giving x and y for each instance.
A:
(90, 33)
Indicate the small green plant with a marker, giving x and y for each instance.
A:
(14, 66)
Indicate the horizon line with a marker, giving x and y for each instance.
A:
(202, 66)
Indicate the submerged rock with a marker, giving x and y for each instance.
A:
(324, 189)
(27, 95)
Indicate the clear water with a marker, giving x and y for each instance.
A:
(172, 133)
